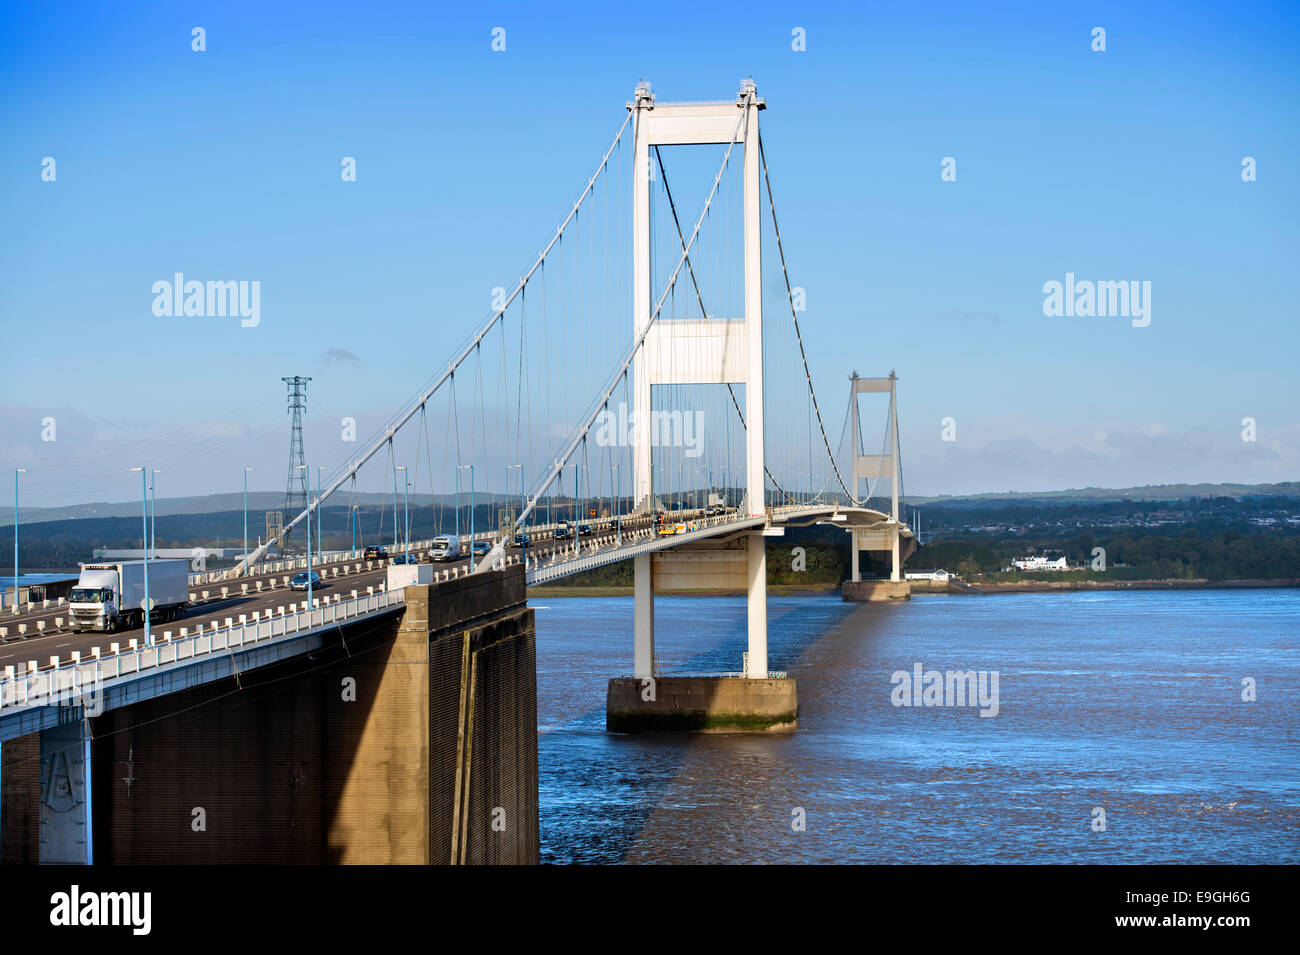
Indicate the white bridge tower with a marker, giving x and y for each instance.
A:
(700, 351)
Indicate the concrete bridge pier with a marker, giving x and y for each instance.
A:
(45, 794)
(700, 352)
(884, 538)
(752, 701)
(66, 830)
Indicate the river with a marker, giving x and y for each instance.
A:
(1129, 703)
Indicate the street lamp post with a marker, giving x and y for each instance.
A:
(320, 538)
(353, 516)
(576, 515)
(394, 503)
(459, 468)
(618, 507)
(578, 548)
(145, 608)
(17, 471)
(303, 467)
(406, 494)
(523, 506)
(246, 470)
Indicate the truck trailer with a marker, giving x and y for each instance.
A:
(110, 596)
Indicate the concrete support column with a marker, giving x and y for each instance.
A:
(643, 617)
(66, 837)
(641, 486)
(753, 216)
(896, 572)
(853, 546)
(757, 668)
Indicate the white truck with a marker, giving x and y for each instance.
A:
(108, 596)
(446, 547)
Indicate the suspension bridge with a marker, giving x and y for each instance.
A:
(667, 393)
(639, 377)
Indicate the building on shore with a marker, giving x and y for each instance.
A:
(938, 576)
(1039, 563)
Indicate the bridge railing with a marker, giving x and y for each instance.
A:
(608, 548)
(69, 681)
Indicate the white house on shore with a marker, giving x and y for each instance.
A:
(939, 576)
(1039, 563)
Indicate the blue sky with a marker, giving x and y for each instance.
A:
(1115, 165)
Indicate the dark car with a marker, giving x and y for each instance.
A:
(481, 548)
(405, 559)
(299, 581)
(562, 533)
(375, 553)
(522, 538)
(584, 530)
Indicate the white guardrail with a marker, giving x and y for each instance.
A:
(334, 556)
(607, 549)
(300, 563)
(64, 680)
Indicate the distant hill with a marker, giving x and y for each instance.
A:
(1150, 492)
(262, 501)
(258, 503)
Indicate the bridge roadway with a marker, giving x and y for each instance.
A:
(17, 650)
(548, 559)
(644, 540)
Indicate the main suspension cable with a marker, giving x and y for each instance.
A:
(799, 335)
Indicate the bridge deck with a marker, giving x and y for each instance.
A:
(602, 551)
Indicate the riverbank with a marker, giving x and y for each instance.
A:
(1074, 586)
(923, 587)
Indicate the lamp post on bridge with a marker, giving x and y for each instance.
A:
(352, 511)
(303, 467)
(459, 468)
(618, 519)
(523, 506)
(145, 607)
(576, 518)
(394, 500)
(320, 538)
(576, 535)
(246, 470)
(406, 494)
(17, 471)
